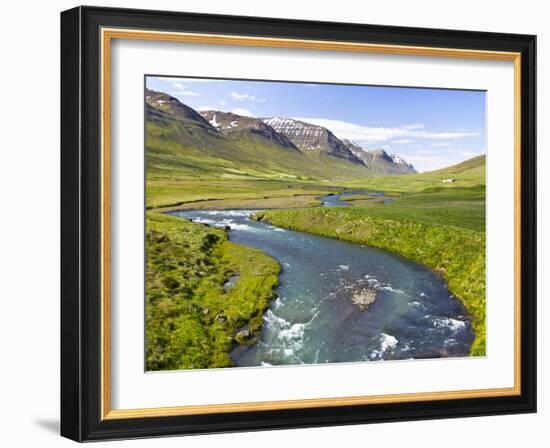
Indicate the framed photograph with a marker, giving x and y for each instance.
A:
(276, 224)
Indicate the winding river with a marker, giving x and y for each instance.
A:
(314, 318)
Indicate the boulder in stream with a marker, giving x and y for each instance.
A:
(364, 298)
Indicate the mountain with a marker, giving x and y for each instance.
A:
(181, 141)
(165, 111)
(379, 161)
(406, 167)
(170, 105)
(312, 138)
(237, 125)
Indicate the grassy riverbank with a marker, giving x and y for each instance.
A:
(458, 253)
(204, 294)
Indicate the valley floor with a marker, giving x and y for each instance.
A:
(440, 226)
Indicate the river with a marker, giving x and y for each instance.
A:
(314, 318)
(333, 200)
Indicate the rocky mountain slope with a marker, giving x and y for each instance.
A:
(312, 138)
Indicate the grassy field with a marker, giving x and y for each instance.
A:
(459, 206)
(204, 294)
(236, 192)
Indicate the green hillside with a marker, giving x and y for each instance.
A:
(470, 173)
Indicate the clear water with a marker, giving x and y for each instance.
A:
(314, 320)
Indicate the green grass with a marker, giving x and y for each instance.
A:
(192, 321)
(469, 173)
(187, 192)
(445, 233)
(459, 207)
(267, 202)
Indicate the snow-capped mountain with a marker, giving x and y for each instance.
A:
(398, 160)
(309, 137)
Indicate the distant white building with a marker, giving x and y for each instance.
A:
(448, 181)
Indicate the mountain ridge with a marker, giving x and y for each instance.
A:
(379, 161)
(309, 137)
(230, 123)
(180, 135)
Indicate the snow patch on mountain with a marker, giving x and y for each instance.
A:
(213, 122)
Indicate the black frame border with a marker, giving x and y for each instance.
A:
(81, 223)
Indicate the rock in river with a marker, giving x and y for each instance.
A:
(364, 298)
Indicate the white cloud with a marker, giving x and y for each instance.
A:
(204, 108)
(241, 96)
(414, 126)
(242, 111)
(403, 141)
(356, 132)
(441, 144)
(246, 97)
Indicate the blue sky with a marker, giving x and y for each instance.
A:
(431, 128)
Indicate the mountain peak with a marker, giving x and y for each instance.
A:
(166, 103)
